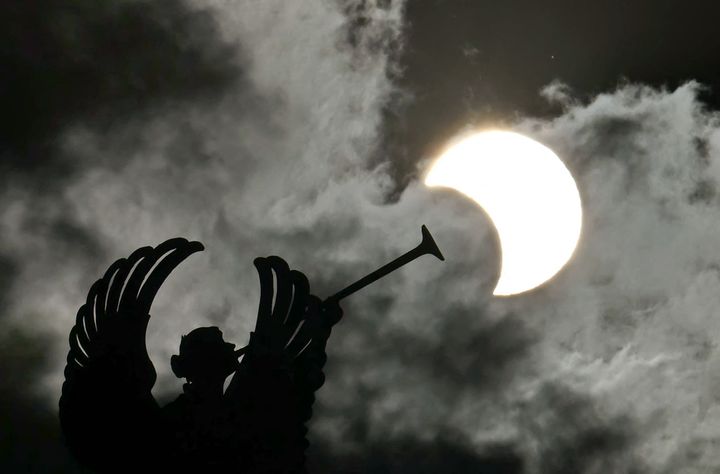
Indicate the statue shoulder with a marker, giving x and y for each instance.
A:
(177, 407)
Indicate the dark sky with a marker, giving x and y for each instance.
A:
(300, 129)
(483, 62)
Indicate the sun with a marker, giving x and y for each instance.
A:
(528, 193)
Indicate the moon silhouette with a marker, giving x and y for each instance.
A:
(529, 195)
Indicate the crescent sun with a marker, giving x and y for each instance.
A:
(529, 195)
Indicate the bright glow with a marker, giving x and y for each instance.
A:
(530, 196)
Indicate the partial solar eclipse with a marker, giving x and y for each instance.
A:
(529, 195)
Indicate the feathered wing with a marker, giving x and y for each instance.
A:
(275, 385)
(108, 415)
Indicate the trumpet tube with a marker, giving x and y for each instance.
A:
(426, 246)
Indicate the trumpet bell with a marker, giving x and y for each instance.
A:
(428, 244)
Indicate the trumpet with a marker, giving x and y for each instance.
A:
(426, 247)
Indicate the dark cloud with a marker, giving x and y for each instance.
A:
(8, 267)
(467, 351)
(362, 34)
(705, 191)
(568, 433)
(99, 66)
(99, 63)
(611, 137)
(30, 440)
(574, 437)
(444, 454)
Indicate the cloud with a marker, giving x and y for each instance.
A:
(411, 456)
(637, 303)
(30, 440)
(93, 66)
(100, 63)
(569, 434)
(609, 367)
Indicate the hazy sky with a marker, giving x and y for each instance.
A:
(299, 129)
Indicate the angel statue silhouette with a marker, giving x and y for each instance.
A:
(257, 425)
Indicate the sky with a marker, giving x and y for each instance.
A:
(303, 129)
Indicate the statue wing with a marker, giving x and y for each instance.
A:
(282, 368)
(108, 415)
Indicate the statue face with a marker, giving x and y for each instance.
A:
(204, 355)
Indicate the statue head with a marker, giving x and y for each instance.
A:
(205, 357)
